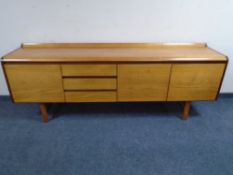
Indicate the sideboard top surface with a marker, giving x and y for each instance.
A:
(114, 52)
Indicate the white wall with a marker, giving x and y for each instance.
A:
(118, 21)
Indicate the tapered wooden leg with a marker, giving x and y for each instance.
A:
(44, 113)
(187, 105)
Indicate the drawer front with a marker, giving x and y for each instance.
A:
(89, 83)
(191, 82)
(90, 96)
(89, 70)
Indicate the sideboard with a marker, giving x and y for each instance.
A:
(113, 72)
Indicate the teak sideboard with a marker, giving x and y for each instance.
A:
(113, 72)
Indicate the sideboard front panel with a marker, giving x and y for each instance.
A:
(191, 82)
(143, 82)
(35, 82)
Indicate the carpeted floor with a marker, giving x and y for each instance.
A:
(117, 139)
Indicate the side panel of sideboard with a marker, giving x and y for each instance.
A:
(193, 82)
(35, 82)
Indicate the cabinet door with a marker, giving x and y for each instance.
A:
(191, 82)
(143, 82)
(35, 82)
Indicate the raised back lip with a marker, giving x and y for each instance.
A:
(110, 45)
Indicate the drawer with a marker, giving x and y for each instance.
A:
(89, 83)
(90, 96)
(89, 70)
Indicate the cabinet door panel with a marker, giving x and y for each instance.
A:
(35, 82)
(191, 82)
(143, 82)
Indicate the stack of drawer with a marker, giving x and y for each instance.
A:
(89, 82)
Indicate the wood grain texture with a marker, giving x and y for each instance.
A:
(89, 70)
(190, 82)
(109, 52)
(90, 96)
(143, 82)
(35, 82)
(89, 83)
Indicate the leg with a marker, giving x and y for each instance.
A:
(186, 110)
(44, 113)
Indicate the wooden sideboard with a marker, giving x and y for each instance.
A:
(113, 72)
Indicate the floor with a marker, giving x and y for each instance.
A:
(117, 139)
